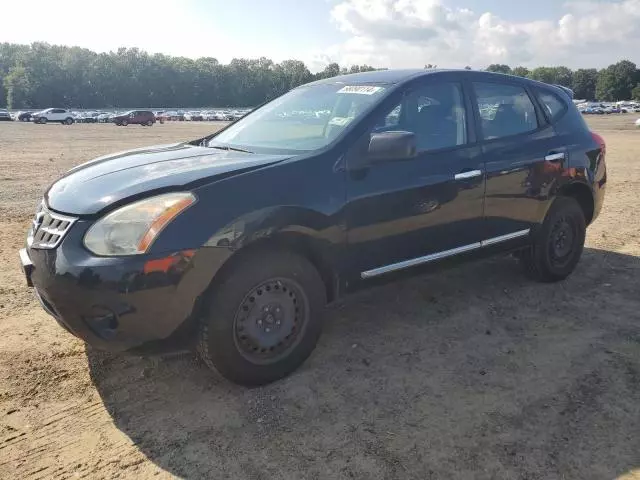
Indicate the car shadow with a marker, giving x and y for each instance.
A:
(474, 372)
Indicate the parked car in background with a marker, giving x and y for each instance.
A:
(193, 116)
(242, 237)
(23, 116)
(5, 116)
(135, 117)
(104, 117)
(89, 117)
(60, 115)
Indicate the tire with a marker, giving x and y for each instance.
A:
(149, 123)
(68, 121)
(43, 120)
(264, 319)
(124, 123)
(558, 243)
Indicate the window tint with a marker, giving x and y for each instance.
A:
(435, 113)
(57, 110)
(504, 110)
(552, 104)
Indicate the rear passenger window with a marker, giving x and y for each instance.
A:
(504, 110)
(553, 105)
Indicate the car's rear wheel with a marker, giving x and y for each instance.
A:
(264, 318)
(557, 245)
(68, 121)
(149, 123)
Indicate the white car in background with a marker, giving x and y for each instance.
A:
(61, 115)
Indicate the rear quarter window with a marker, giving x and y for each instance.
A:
(554, 107)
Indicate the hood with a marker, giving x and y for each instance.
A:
(93, 186)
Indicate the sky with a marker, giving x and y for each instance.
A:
(381, 33)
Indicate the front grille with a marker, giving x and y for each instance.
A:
(48, 228)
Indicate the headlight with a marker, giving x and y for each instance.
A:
(130, 230)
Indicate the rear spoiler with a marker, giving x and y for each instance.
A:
(566, 90)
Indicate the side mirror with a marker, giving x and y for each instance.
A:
(391, 146)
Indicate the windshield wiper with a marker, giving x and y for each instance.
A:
(229, 149)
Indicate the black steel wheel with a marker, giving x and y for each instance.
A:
(271, 320)
(264, 317)
(557, 245)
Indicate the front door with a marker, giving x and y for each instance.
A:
(409, 212)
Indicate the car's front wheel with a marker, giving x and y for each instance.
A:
(557, 245)
(264, 318)
(124, 123)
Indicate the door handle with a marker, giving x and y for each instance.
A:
(554, 157)
(468, 174)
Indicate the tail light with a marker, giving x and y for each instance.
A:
(600, 141)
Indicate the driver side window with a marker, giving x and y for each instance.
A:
(434, 112)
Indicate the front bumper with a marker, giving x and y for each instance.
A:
(119, 303)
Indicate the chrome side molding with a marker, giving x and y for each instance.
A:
(469, 174)
(441, 255)
(554, 157)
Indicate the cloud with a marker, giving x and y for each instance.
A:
(166, 26)
(412, 33)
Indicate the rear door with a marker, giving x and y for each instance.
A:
(409, 212)
(521, 152)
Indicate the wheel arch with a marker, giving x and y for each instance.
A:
(583, 195)
(307, 246)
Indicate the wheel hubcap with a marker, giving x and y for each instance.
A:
(561, 242)
(270, 320)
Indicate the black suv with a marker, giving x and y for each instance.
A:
(238, 240)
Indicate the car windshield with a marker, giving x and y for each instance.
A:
(307, 118)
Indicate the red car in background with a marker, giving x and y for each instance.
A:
(137, 117)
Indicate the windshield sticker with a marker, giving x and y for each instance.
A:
(360, 89)
(340, 121)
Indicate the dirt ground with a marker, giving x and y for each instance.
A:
(472, 373)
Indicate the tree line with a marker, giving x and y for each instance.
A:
(42, 75)
(620, 81)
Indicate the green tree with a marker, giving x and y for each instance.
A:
(520, 72)
(331, 70)
(563, 76)
(499, 68)
(606, 85)
(584, 83)
(18, 88)
(617, 81)
(635, 93)
(543, 74)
